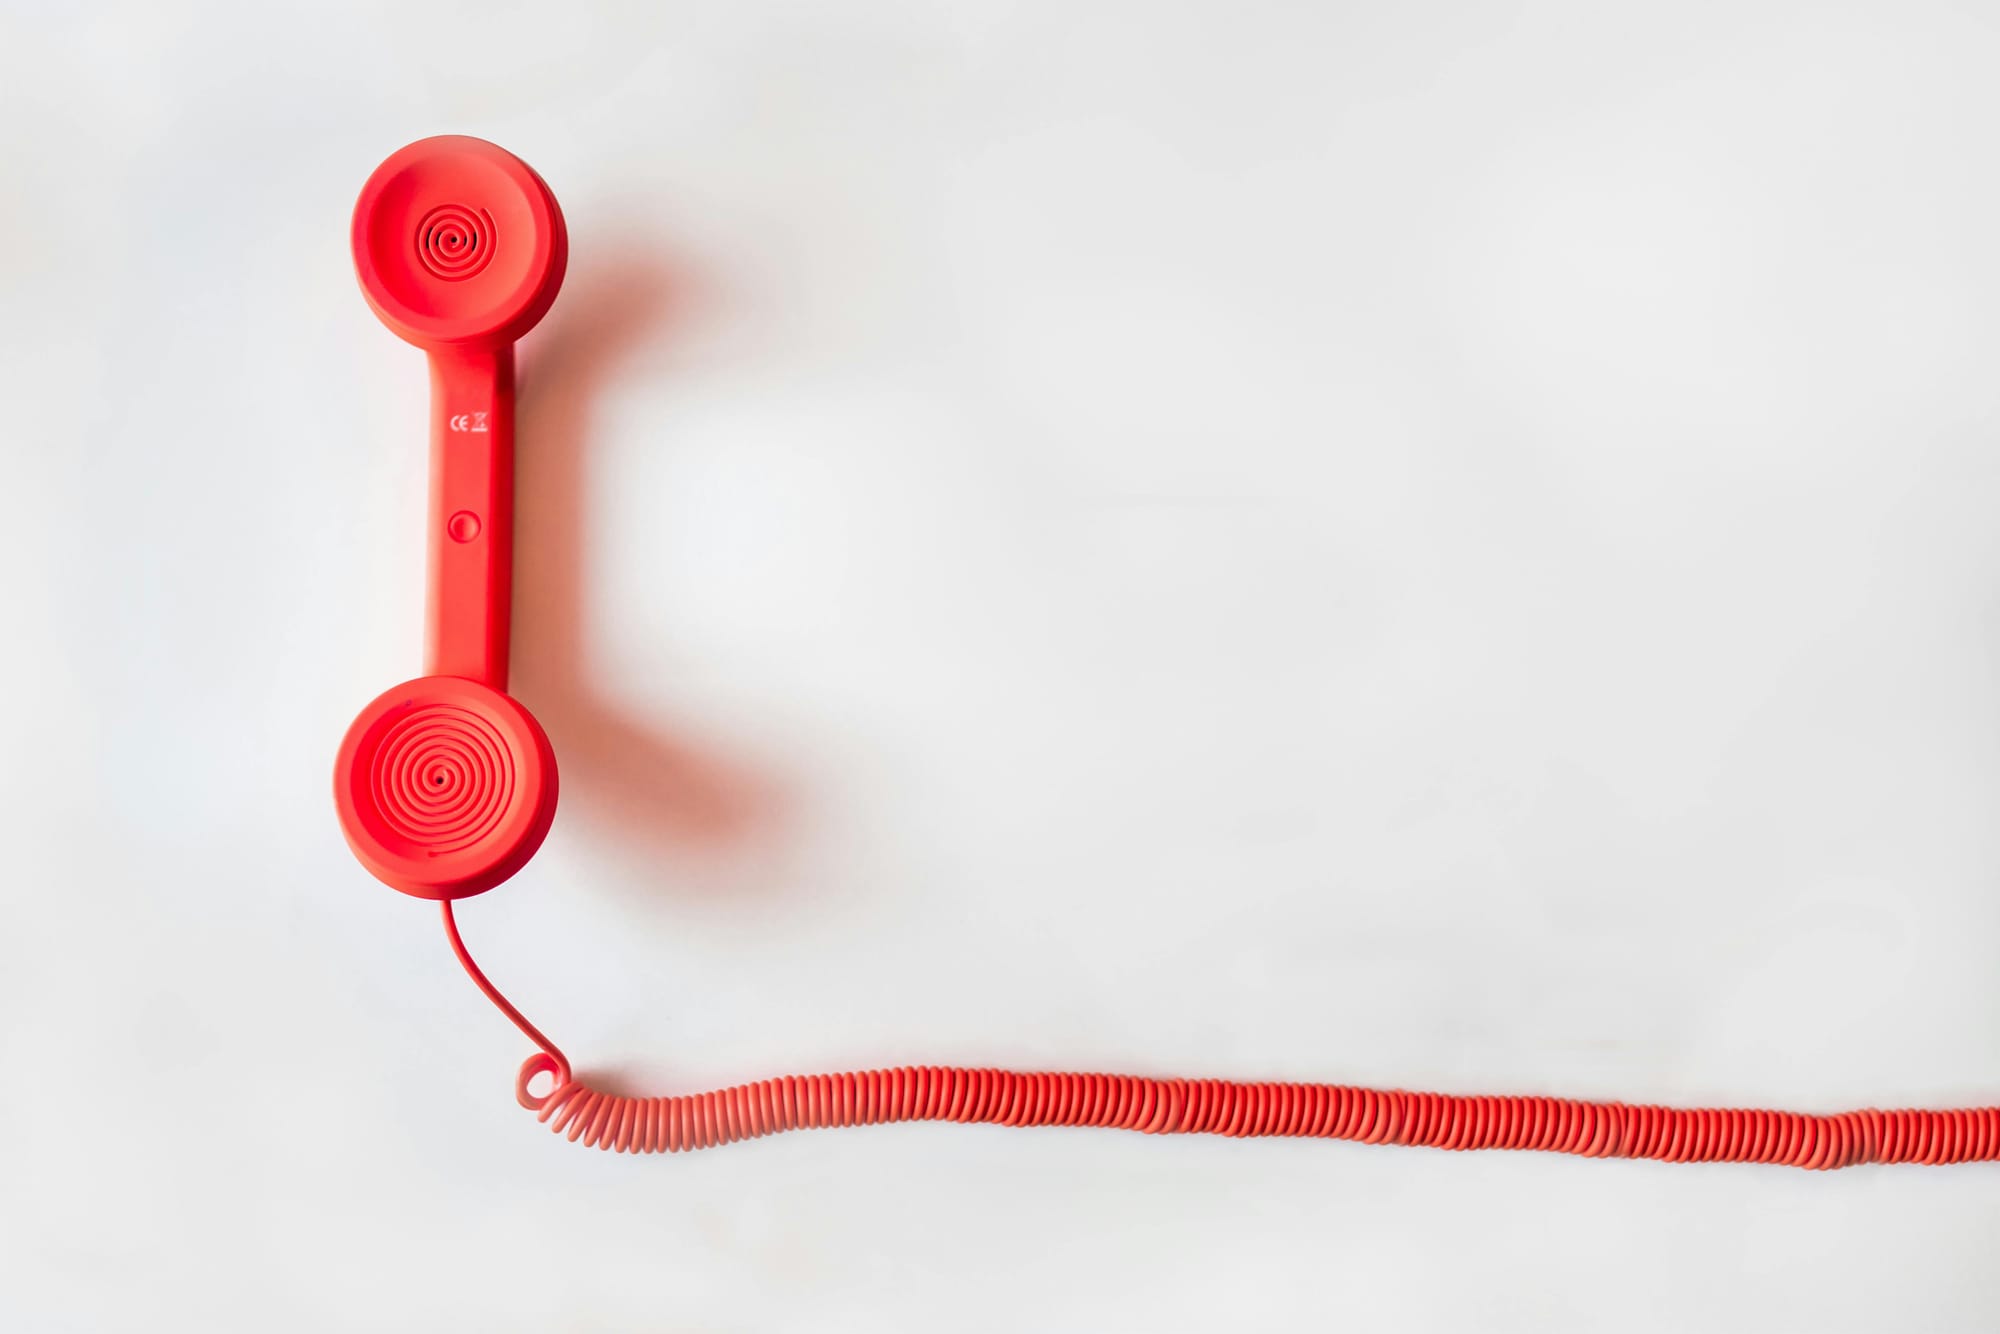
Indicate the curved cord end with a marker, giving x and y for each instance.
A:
(550, 1059)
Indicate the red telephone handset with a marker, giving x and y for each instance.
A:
(446, 786)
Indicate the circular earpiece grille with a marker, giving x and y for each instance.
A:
(454, 241)
(445, 787)
(457, 243)
(442, 777)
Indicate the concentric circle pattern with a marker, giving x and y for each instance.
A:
(454, 241)
(442, 777)
(445, 787)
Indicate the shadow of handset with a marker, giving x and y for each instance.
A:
(649, 782)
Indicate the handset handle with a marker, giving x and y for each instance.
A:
(471, 513)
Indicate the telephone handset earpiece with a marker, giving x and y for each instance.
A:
(446, 786)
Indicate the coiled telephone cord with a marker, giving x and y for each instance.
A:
(1226, 1107)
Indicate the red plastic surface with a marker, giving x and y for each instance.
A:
(471, 513)
(445, 785)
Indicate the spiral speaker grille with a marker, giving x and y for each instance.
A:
(454, 241)
(443, 777)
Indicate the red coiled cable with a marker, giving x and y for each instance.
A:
(1224, 1107)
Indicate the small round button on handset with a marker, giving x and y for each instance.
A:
(445, 785)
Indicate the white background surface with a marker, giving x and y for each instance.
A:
(1434, 545)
